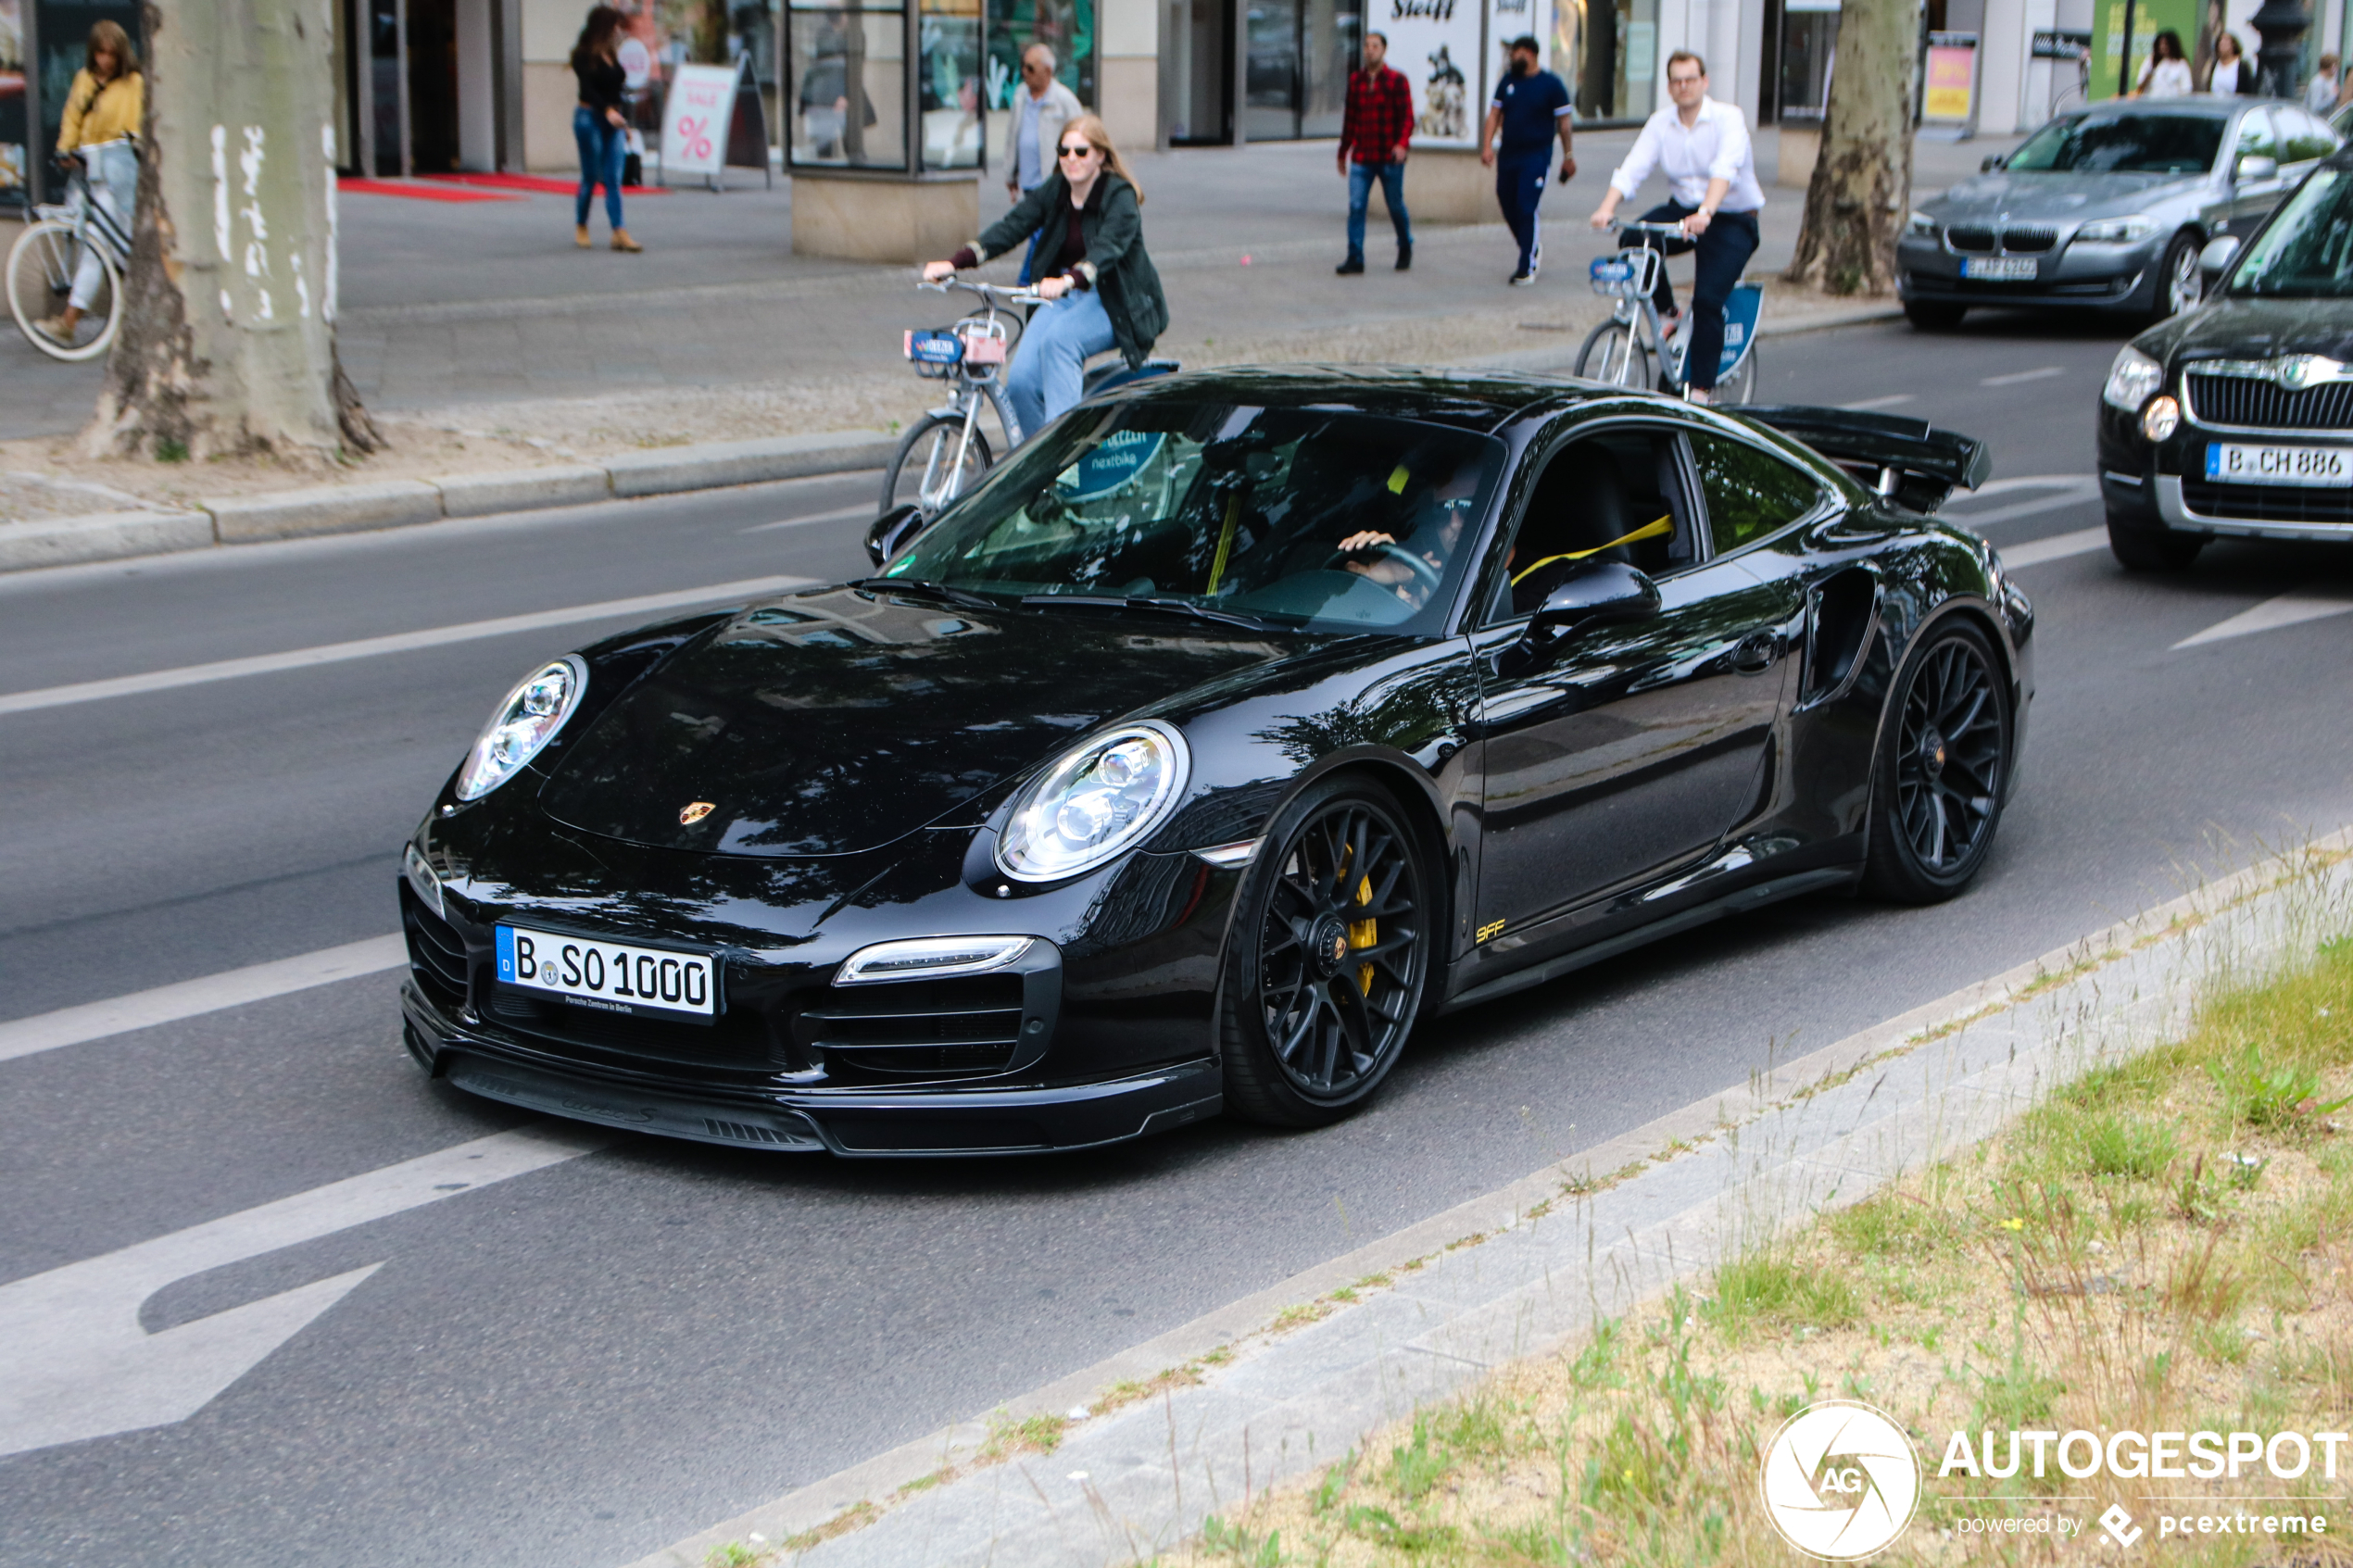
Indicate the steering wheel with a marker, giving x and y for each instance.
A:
(1398, 552)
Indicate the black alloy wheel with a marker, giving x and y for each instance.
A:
(1943, 768)
(1328, 958)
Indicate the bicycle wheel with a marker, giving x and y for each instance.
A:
(1739, 385)
(934, 464)
(40, 277)
(1613, 352)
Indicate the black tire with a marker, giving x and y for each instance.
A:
(2138, 547)
(1613, 353)
(933, 439)
(2180, 287)
(1942, 768)
(1934, 315)
(1322, 978)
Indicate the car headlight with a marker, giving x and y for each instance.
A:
(1094, 802)
(1920, 226)
(2130, 379)
(527, 720)
(2117, 230)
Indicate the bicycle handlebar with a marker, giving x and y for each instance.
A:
(1666, 231)
(986, 291)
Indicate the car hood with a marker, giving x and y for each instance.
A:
(2057, 199)
(833, 722)
(2264, 328)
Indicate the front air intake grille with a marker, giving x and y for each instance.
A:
(927, 1027)
(1970, 238)
(436, 953)
(2028, 242)
(741, 1131)
(2268, 502)
(738, 1039)
(2262, 405)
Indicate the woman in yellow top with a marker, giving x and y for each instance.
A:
(105, 109)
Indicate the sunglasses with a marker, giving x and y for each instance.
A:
(1077, 151)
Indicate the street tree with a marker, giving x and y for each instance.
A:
(1861, 192)
(227, 339)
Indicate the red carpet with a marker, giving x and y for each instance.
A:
(542, 184)
(417, 192)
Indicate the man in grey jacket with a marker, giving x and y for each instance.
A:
(1042, 106)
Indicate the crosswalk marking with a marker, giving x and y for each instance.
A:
(2288, 609)
(2041, 372)
(2058, 546)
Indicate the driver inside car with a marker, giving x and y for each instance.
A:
(1439, 510)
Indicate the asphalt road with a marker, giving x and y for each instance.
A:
(579, 1363)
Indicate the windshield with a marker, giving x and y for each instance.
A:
(2122, 144)
(2307, 251)
(1319, 518)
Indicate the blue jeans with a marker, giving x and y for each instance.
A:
(1360, 195)
(1049, 368)
(1519, 186)
(1724, 250)
(601, 147)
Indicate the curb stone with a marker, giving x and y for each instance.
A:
(70, 541)
(482, 495)
(335, 509)
(1501, 1278)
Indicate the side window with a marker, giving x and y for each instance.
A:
(2256, 139)
(1615, 494)
(1749, 493)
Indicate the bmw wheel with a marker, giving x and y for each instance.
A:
(1943, 768)
(2180, 286)
(1327, 959)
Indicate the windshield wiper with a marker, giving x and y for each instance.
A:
(924, 587)
(1167, 606)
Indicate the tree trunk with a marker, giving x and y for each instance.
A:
(228, 343)
(1861, 192)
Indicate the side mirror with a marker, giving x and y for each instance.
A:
(2254, 166)
(1603, 591)
(1991, 162)
(2216, 258)
(891, 530)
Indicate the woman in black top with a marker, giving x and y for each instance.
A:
(598, 124)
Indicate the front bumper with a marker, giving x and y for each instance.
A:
(2163, 487)
(2113, 277)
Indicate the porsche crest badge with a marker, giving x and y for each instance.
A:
(695, 811)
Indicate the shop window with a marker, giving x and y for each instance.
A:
(949, 82)
(1607, 53)
(848, 85)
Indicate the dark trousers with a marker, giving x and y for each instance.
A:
(1723, 256)
(1519, 185)
(1392, 177)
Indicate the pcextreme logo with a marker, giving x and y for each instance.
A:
(1841, 1480)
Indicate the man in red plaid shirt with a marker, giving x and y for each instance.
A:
(1372, 147)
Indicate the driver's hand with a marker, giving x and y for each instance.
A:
(1364, 540)
(1053, 288)
(934, 270)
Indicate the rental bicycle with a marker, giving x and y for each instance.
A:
(1631, 349)
(41, 269)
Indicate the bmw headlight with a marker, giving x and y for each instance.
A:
(1096, 801)
(2117, 230)
(530, 717)
(2130, 379)
(1920, 226)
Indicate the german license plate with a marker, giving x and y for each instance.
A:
(2279, 465)
(609, 976)
(1999, 268)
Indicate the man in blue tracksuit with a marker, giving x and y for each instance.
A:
(1531, 107)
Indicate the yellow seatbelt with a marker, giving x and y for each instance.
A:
(1653, 530)
(1224, 539)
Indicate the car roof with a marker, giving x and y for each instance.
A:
(2199, 107)
(1467, 399)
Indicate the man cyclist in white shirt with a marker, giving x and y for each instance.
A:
(1703, 148)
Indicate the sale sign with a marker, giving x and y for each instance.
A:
(1951, 93)
(695, 119)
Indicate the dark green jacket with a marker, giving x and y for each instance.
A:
(1116, 267)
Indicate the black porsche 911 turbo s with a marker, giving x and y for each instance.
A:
(1234, 724)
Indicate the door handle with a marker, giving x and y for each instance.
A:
(1756, 653)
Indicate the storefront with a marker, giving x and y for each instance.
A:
(1606, 51)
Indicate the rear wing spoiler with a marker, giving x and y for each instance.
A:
(1908, 460)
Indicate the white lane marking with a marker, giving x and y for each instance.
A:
(2088, 491)
(401, 642)
(2086, 482)
(2041, 372)
(2058, 546)
(76, 1364)
(1890, 401)
(836, 515)
(2288, 609)
(167, 1004)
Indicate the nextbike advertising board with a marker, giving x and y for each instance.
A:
(1435, 42)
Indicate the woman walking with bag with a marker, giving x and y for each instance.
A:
(105, 109)
(599, 124)
(1101, 289)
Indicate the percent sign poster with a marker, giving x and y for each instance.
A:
(694, 122)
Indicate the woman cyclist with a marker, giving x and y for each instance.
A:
(105, 109)
(1101, 288)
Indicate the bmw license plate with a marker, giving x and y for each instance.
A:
(1999, 268)
(2279, 465)
(609, 976)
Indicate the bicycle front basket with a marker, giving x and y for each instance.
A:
(1631, 274)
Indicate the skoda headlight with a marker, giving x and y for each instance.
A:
(2117, 230)
(530, 717)
(2130, 379)
(1097, 801)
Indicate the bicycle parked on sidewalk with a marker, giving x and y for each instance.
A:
(41, 269)
(1631, 349)
(945, 452)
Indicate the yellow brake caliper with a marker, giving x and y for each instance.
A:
(1362, 935)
